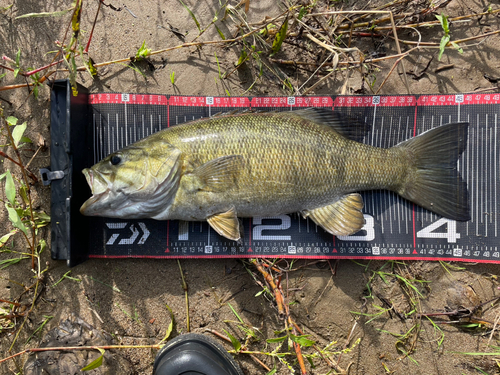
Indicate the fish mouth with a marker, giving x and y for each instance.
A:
(99, 189)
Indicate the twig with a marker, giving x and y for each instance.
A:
(494, 88)
(390, 72)
(331, 48)
(86, 50)
(185, 287)
(67, 348)
(296, 346)
(31, 175)
(277, 293)
(450, 43)
(444, 67)
(347, 26)
(41, 80)
(244, 351)
(185, 45)
(10, 302)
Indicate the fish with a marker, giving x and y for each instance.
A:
(231, 166)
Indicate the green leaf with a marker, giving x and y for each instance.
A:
(18, 56)
(45, 14)
(95, 363)
(134, 68)
(5, 237)
(220, 32)
(172, 78)
(46, 320)
(192, 16)
(457, 47)
(16, 220)
(309, 359)
(279, 38)
(23, 192)
(234, 341)
(444, 23)
(259, 293)
(9, 262)
(273, 371)
(75, 20)
(91, 67)
(42, 245)
(236, 314)
(265, 31)
(41, 219)
(11, 120)
(10, 188)
(302, 12)
(277, 339)
(302, 340)
(243, 57)
(444, 41)
(170, 326)
(18, 132)
(143, 52)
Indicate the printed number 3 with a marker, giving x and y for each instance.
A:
(368, 228)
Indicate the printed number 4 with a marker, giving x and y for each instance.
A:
(451, 233)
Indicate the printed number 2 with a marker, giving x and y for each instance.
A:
(258, 228)
(451, 234)
(369, 228)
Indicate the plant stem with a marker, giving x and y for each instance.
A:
(67, 348)
(28, 190)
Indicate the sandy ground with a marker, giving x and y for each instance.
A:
(323, 304)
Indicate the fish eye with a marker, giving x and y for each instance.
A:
(115, 160)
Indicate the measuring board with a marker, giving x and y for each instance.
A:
(394, 229)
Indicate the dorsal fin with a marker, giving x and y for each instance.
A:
(234, 112)
(348, 126)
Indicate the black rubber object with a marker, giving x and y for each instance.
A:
(194, 354)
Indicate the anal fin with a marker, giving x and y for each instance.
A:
(226, 224)
(342, 218)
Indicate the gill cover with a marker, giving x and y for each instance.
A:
(138, 181)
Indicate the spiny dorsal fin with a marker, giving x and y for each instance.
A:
(342, 218)
(348, 126)
(220, 174)
(234, 112)
(226, 224)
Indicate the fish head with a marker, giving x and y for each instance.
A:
(139, 181)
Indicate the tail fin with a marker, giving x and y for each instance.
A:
(434, 182)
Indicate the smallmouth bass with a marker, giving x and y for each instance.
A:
(271, 163)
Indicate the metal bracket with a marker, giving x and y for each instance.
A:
(48, 176)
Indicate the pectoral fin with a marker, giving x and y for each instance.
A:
(342, 218)
(226, 224)
(220, 174)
